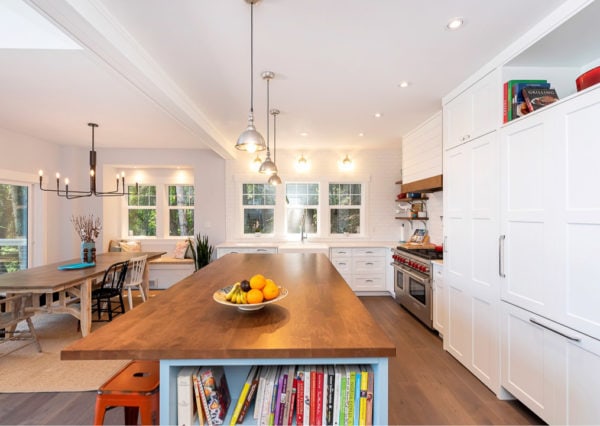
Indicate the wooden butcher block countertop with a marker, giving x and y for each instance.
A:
(320, 317)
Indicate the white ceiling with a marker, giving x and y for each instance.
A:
(176, 73)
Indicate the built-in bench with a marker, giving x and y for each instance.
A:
(164, 271)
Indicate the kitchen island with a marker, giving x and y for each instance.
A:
(321, 321)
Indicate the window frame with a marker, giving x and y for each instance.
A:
(242, 207)
(191, 207)
(161, 183)
(34, 199)
(136, 207)
(317, 207)
(361, 208)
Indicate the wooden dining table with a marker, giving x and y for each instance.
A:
(67, 291)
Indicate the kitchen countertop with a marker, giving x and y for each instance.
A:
(329, 243)
(184, 322)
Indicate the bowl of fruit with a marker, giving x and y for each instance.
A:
(250, 295)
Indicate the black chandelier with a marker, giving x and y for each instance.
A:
(71, 194)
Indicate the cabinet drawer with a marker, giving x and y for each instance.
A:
(344, 266)
(368, 265)
(369, 251)
(341, 252)
(368, 282)
(265, 250)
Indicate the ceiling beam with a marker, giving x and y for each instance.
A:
(91, 25)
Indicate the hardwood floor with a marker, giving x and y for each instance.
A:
(426, 386)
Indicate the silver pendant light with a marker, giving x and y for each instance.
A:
(275, 179)
(268, 167)
(251, 140)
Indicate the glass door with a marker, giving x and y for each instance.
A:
(14, 227)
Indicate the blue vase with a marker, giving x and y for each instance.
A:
(88, 252)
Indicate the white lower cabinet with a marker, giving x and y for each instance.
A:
(440, 308)
(162, 275)
(363, 268)
(552, 369)
(222, 251)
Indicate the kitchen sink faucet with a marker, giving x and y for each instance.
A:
(303, 235)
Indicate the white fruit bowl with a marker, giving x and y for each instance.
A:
(219, 297)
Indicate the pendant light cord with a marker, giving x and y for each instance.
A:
(268, 79)
(274, 138)
(251, 57)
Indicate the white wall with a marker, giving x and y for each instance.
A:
(380, 167)
(22, 157)
(208, 176)
(53, 236)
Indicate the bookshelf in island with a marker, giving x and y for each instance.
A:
(320, 322)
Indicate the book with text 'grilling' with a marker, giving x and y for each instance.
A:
(538, 97)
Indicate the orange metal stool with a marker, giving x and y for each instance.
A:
(135, 387)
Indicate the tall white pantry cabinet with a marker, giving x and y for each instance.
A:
(522, 225)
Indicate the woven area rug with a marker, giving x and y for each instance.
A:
(24, 369)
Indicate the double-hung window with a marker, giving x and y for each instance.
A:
(181, 210)
(258, 203)
(14, 220)
(142, 211)
(345, 208)
(302, 208)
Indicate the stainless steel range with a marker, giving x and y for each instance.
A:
(413, 281)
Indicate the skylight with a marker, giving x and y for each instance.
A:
(21, 27)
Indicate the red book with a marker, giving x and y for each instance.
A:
(300, 396)
(313, 394)
(319, 395)
(292, 398)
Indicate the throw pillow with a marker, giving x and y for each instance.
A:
(131, 246)
(180, 249)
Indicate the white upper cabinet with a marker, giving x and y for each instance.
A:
(474, 112)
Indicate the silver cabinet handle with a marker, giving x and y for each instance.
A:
(560, 333)
(369, 263)
(501, 239)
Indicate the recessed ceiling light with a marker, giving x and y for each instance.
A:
(361, 134)
(404, 84)
(455, 23)
(378, 115)
(304, 134)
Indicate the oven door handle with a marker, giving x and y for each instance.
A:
(416, 277)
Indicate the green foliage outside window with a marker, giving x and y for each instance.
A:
(13, 226)
(181, 220)
(142, 221)
(344, 219)
(303, 202)
(259, 216)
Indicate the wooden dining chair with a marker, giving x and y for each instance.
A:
(111, 287)
(12, 312)
(135, 277)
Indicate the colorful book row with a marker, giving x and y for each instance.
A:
(524, 96)
(286, 395)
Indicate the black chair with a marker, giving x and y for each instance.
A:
(110, 288)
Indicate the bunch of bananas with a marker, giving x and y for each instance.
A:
(236, 295)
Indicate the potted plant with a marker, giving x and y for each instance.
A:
(202, 251)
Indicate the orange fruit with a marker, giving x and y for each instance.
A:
(270, 291)
(254, 296)
(258, 281)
